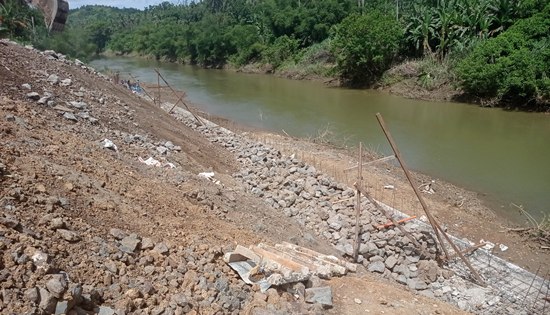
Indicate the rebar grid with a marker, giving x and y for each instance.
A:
(519, 291)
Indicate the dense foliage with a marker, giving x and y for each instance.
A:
(20, 22)
(514, 67)
(494, 42)
(366, 45)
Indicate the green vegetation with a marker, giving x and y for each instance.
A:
(496, 50)
(20, 22)
(366, 45)
(514, 67)
(26, 25)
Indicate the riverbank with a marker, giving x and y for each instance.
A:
(407, 79)
(88, 227)
(422, 79)
(277, 178)
(108, 232)
(462, 211)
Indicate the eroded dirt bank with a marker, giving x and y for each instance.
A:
(87, 228)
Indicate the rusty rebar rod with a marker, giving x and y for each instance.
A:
(539, 291)
(435, 225)
(358, 206)
(384, 212)
(546, 298)
(530, 286)
(179, 100)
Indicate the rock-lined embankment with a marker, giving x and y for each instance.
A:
(327, 207)
(88, 227)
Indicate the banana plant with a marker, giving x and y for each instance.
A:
(444, 22)
(421, 28)
(504, 12)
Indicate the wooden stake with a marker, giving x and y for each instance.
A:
(179, 100)
(371, 162)
(158, 89)
(358, 205)
(435, 225)
(468, 250)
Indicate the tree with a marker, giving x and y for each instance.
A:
(281, 49)
(514, 67)
(365, 46)
(99, 33)
(248, 43)
(19, 21)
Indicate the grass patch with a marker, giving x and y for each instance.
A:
(429, 73)
(316, 60)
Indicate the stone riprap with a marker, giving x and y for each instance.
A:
(321, 204)
(52, 263)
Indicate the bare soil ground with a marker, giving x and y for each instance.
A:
(56, 167)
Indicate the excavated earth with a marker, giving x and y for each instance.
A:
(87, 228)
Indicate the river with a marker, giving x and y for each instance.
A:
(503, 155)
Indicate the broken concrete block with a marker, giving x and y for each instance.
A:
(48, 302)
(282, 264)
(321, 295)
(247, 253)
(104, 310)
(233, 257)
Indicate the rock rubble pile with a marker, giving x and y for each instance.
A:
(321, 204)
(52, 260)
(57, 255)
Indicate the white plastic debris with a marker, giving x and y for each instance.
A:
(109, 145)
(150, 161)
(389, 187)
(156, 163)
(40, 260)
(427, 188)
(488, 245)
(207, 175)
(503, 247)
(210, 177)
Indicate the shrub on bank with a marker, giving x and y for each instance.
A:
(365, 46)
(514, 67)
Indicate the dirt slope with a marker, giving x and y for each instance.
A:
(87, 229)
